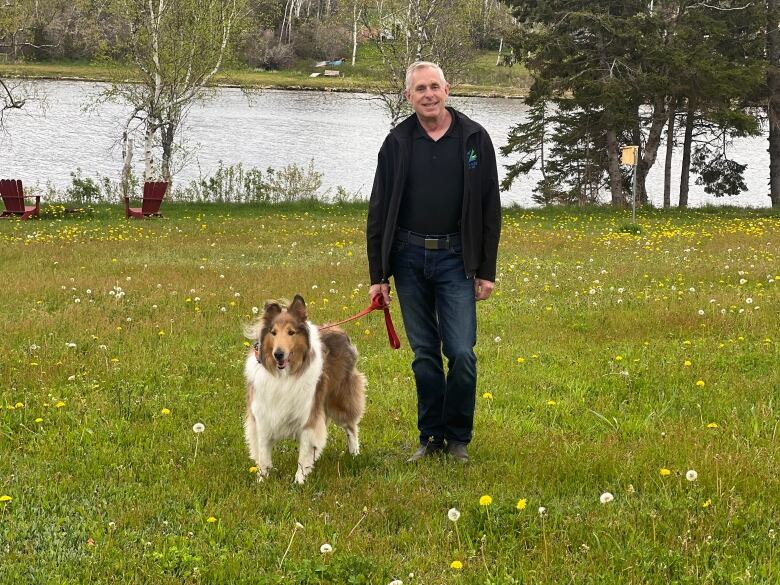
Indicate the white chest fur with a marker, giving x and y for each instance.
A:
(282, 403)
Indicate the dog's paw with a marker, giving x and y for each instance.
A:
(300, 478)
(354, 450)
(262, 474)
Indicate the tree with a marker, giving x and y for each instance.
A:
(177, 46)
(417, 30)
(773, 87)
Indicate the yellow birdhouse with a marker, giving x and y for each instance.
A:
(628, 156)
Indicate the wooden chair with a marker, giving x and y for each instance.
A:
(150, 203)
(13, 197)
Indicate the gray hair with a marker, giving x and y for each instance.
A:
(422, 65)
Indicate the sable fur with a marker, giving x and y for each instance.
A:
(300, 378)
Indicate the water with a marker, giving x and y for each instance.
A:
(340, 132)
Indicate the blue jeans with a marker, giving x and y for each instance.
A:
(439, 313)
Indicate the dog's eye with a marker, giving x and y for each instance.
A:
(273, 333)
(291, 332)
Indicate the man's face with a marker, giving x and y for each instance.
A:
(428, 93)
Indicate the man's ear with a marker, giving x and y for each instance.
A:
(408, 95)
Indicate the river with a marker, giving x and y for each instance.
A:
(340, 132)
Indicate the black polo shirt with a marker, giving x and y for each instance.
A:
(433, 195)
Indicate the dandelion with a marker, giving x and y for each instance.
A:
(253, 469)
(5, 499)
(197, 428)
(551, 403)
(39, 420)
(59, 404)
(457, 565)
(485, 500)
(606, 498)
(396, 582)
(701, 312)
(691, 475)
(326, 549)
(665, 472)
(542, 511)
(165, 412)
(453, 514)
(521, 504)
(749, 301)
(487, 396)
(211, 519)
(520, 360)
(712, 425)
(497, 339)
(298, 526)
(687, 363)
(706, 504)
(700, 383)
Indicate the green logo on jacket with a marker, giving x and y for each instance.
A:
(471, 158)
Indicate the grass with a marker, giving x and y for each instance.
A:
(483, 77)
(604, 357)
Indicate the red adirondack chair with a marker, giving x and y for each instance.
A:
(150, 203)
(13, 197)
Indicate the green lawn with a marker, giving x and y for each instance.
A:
(482, 78)
(605, 359)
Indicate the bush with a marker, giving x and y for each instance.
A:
(83, 190)
(294, 183)
(278, 57)
(322, 40)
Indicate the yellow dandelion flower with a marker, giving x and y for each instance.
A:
(700, 383)
(211, 519)
(521, 504)
(253, 469)
(165, 412)
(687, 363)
(520, 360)
(706, 504)
(665, 472)
(457, 565)
(485, 500)
(551, 403)
(60, 404)
(488, 396)
(39, 420)
(618, 358)
(5, 498)
(19, 405)
(161, 333)
(247, 344)
(712, 425)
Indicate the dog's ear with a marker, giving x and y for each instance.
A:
(271, 311)
(298, 308)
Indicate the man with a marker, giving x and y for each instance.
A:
(434, 220)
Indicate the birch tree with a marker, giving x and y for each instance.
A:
(177, 47)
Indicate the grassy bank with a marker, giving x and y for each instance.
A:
(609, 362)
(482, 78)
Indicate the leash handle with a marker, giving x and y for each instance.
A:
(378, 302)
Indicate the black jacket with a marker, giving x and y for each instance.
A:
(481, 218)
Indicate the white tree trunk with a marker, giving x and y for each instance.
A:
(355, 16)
(127, 166)
(148, 142)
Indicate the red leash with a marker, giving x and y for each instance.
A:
(377, 302)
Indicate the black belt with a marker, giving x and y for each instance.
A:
(430, 242)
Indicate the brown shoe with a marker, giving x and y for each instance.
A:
(425, 450)
(458, 450)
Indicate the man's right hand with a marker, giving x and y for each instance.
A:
(383, 289)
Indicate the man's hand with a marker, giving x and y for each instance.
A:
(383, 288)
(482, 288)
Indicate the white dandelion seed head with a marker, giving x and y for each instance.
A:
(396, 582)
(255, 310)
(749, 301)
(606, 498)
(497, 339)
(542, 511)
(701, 312)
(198, 427)
(453, 514)
(298, 526)
(691, 475)
(326, 549)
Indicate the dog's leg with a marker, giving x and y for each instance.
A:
(264, 463)
(312, 443)
(353, 441)
(250, 434)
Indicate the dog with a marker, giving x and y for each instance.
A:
(298, 378)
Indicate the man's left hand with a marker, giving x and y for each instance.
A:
(482, 288)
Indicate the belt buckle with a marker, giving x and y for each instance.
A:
(431, 243)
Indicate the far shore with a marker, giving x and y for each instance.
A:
(294, 80)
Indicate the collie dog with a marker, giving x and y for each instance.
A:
(298, 378)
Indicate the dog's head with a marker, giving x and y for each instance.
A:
(283, 345)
